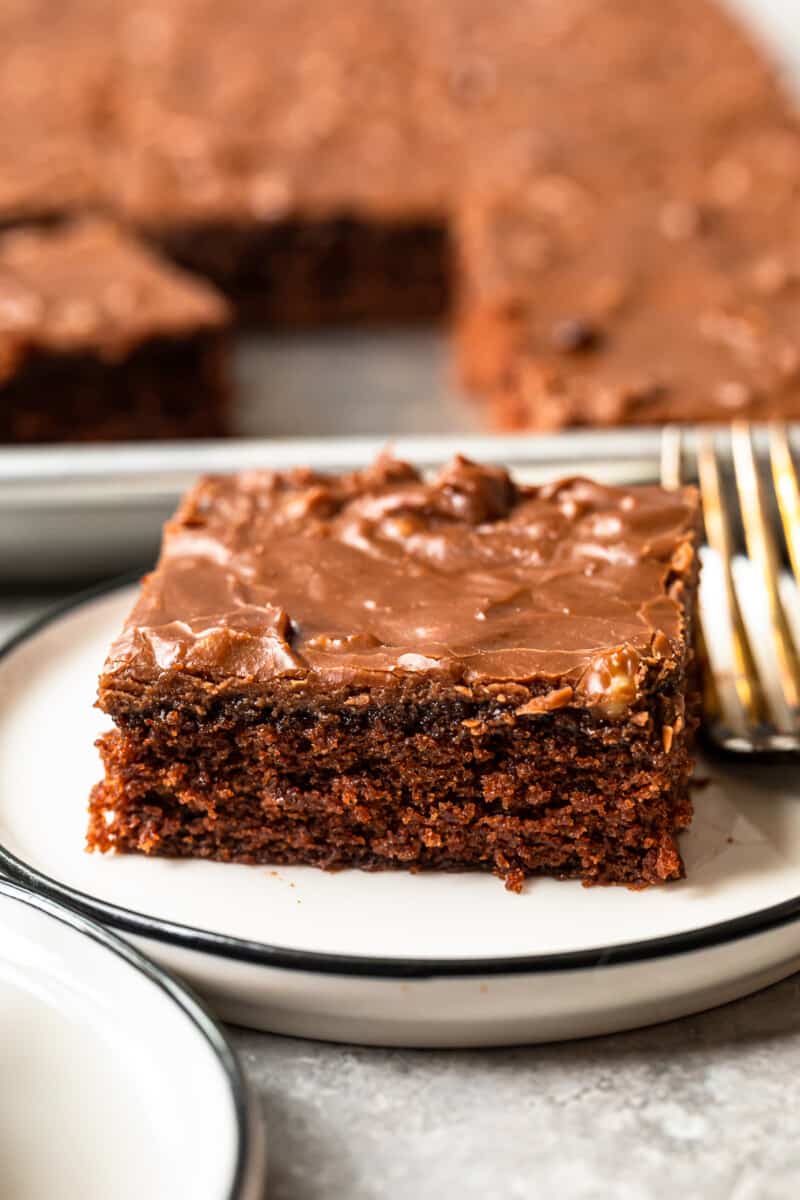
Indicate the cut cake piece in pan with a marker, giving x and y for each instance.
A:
(634, 259)
(373, 670)
(102, 340)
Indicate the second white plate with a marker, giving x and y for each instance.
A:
(115, 1082)
(395, 958)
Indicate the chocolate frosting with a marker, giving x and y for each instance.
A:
(379, 573)
(90, 287)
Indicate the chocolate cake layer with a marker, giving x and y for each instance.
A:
(101, 340)
(376, 670)
(295, 273)
(169, 388)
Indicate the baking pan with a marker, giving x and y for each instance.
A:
(73, 512)
(98, 510)
(69, 513)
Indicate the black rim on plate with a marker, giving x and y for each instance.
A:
(317, 962)
(245, 1161)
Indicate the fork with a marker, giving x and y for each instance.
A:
(748, 648)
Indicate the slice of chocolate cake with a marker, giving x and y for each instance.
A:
(101, 340)
(377, 671)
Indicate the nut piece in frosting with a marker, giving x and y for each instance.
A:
(557, 698)
(341, 643)
(609, 682)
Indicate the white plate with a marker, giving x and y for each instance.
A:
(396, 958)
(115, 1081)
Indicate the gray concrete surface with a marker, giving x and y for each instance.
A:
(700, 1109)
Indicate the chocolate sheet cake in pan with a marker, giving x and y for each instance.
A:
(605, 192)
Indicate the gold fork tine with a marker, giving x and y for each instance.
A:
(763, 553)
(671, 479)
(787, 491)
(743, 711)
(671, 457)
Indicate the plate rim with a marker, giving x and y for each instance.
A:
(248, 1135)
(224, 946)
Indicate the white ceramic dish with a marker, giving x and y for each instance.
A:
(394, 958)
(116, 1082)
